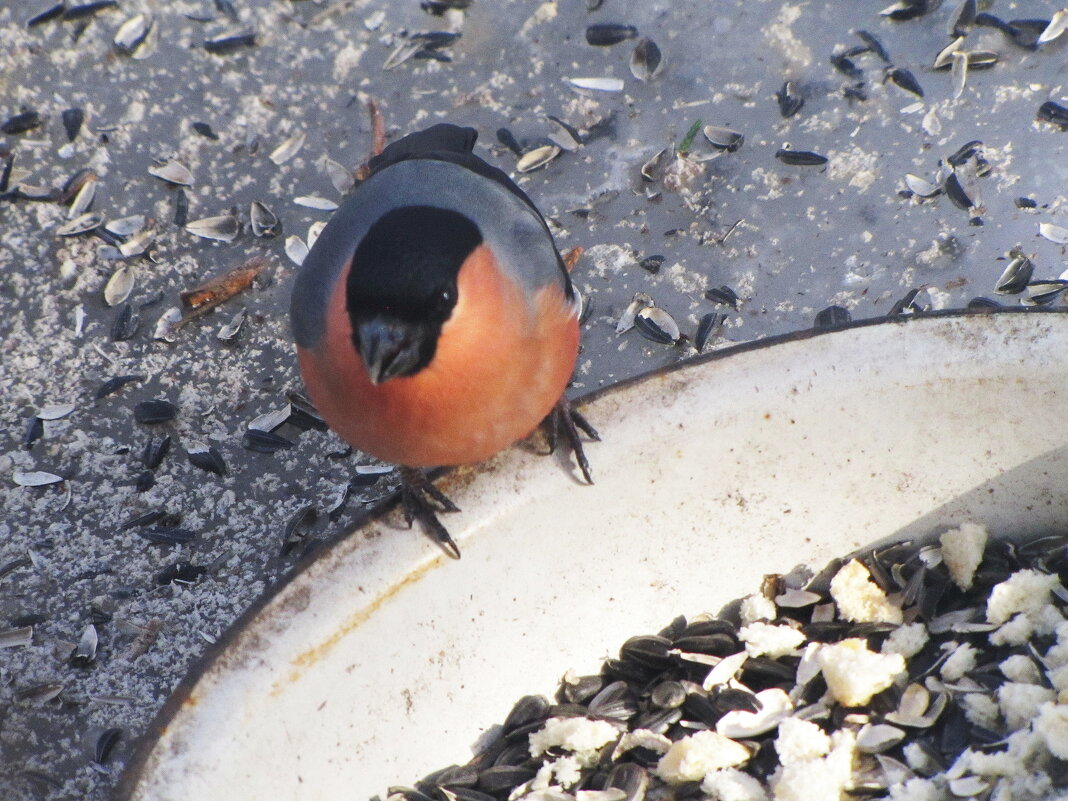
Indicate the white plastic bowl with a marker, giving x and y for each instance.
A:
(385, 659)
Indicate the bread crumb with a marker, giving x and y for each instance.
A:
(962, 551)
(859, 599)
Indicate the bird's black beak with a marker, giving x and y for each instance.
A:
(390, 348)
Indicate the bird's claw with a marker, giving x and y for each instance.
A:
(568, 420)
(423, 501)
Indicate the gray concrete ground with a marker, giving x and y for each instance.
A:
(788, 240)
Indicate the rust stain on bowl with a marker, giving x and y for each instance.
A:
(308, 658)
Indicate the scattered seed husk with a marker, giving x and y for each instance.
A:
(132, 34)
(83, 201)
(265, 441)
(536, 158)
(223, 228)
(639, 302)
(229, 331)
(16, 637)
(230, 43)
(72, 122)
(264, 222)
(597, 84)
(959, 70)
(708, 325)
(657, 325)
(206, 457)
(564, 136)
(982, 59)
(1054, 233)
(944, 59)
(173, 172)
(288, 149)
(85, 651)
(723, 138)
(646, 60)
(52, 12)
(653, 169)
(725, 295)
(832, 316)
(35, 478)
(296, 250)
(1058, 24)
(314, 230)
(921, 187)
(181, 208)
(168, 324)
(105, 744)
(137, 245)
(1016, 275)
(789, 102)
(341, 178)
(315, 202)
(1043, 293)
(120, 285)
(800, 158)
(55, 411)
(82, 224)
(126, 226)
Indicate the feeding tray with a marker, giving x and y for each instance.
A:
(383, 659)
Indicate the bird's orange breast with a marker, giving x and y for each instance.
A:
(502, 361)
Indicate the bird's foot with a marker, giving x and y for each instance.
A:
(423, 501)
(565, 419)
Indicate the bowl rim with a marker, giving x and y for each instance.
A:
(134, 770)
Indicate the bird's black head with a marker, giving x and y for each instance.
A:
(402, 286)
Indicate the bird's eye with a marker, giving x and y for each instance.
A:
(447, 298)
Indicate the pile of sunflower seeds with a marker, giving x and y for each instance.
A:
(910, 672)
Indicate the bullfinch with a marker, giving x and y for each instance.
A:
(434, 318)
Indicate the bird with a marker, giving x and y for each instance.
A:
(434, 318)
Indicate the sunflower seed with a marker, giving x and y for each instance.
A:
(16, 637)
(125, 325)
(296, 250)
(288, 149)
(172, 172)
(72, 122)
(206, 457)
(906, 80)
(229, 43)
(21, 123)
(223, 228)
(1058, 24)
(962, 19)
(315, 202)
(775, 707)
(657, 325)
(1017, 274)
(646, 61)
(605, 84)
(152, 412)
(50, 13)
(564, 136)
(874, 45)
(105, 744)
(832, 316)
(538, 157)
(654, 167)
(113, 385)
(605, 34)
(723, 138)
(876, 738)
(1054, 233)
(955, 191)
(181, 208)
(264, 441)
(126, 226)
(982, 59)
(1053, 112)
(81, 224)
(155, 451)
(205, 130)
(137, 245)
(800, 158)
(132, 33)
(342, 178)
